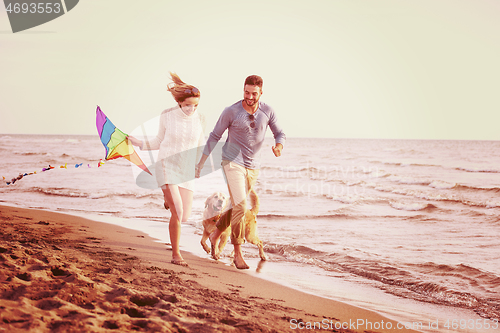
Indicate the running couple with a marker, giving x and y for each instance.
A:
(180, 140)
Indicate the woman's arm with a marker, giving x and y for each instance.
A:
(156, 142)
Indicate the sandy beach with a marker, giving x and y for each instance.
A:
(61, 273)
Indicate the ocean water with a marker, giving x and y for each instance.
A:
(407, 228)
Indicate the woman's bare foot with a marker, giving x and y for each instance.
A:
(179, 261)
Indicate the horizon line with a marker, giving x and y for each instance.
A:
(270, 137)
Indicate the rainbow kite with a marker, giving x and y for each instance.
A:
(116, 142)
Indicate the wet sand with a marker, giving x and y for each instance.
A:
(62, 273)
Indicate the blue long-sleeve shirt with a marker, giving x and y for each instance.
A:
(244, 142)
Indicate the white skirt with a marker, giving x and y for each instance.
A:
(176, 170)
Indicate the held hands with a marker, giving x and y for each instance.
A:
(197, 170)
(277, 149)
(199, 166)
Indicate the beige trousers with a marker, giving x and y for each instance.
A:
(239, 182)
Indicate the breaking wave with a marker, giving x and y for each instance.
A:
(428, 282)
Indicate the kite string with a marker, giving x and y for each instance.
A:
(50, 167)
(146, 141)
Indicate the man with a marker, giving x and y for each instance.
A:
(246, 122)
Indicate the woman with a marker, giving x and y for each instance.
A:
(180, 142)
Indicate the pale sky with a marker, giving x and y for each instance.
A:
(421, 69)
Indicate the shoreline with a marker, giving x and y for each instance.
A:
(230, 299)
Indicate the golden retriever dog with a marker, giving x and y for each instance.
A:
(251, 236)
(214, 207)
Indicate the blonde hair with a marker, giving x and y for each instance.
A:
(180, 90)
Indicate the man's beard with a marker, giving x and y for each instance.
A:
(251, 102)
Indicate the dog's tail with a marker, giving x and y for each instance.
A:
(254, 201)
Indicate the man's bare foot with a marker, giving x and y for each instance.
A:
(240, 263)
(214, 248)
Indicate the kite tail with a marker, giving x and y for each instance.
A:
(50, 167)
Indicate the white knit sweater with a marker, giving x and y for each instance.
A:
(180, 140)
